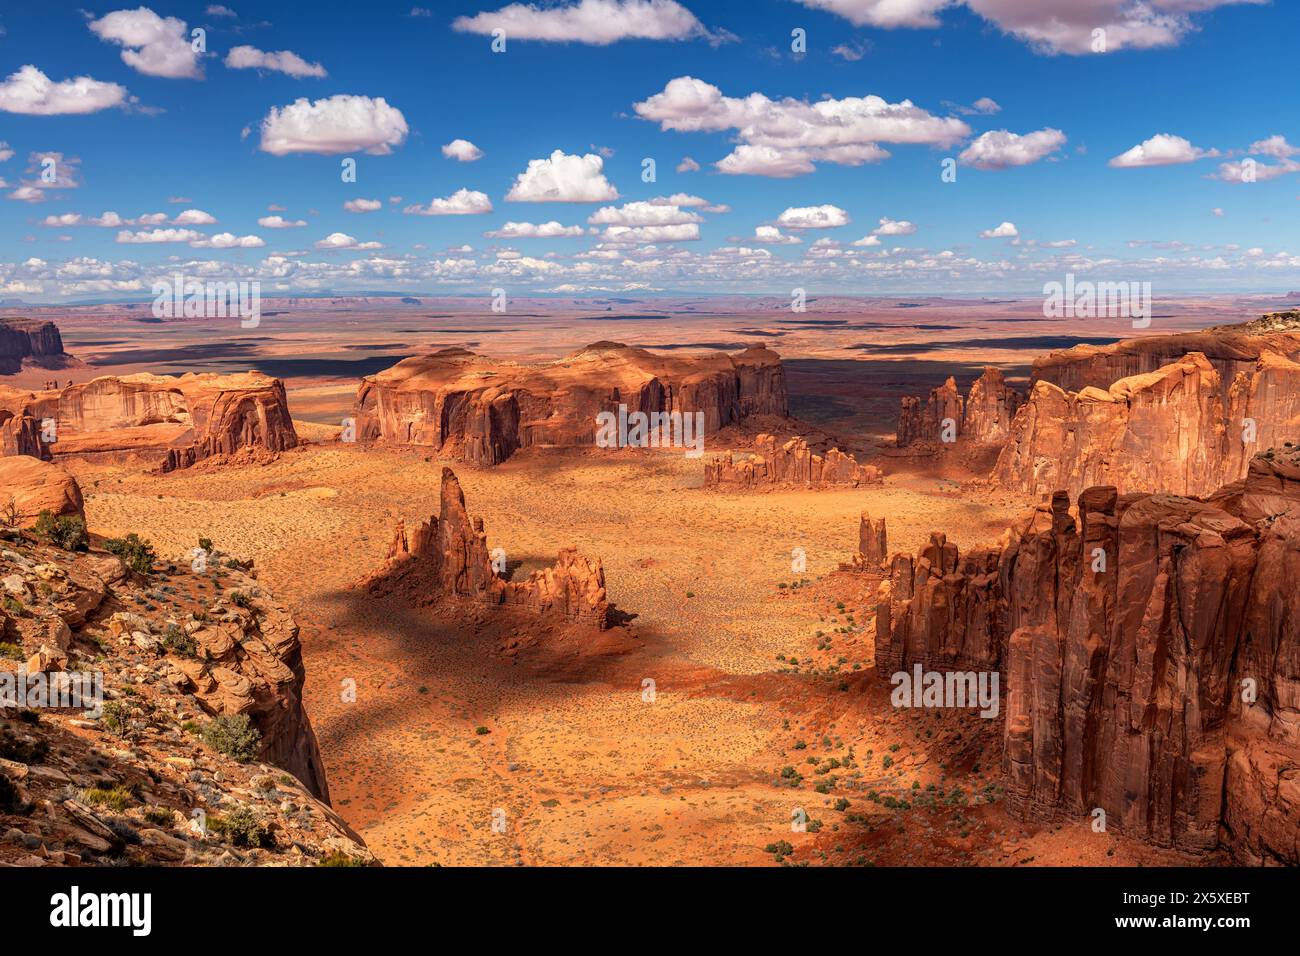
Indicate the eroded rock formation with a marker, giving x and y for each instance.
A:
(791, 464)
(925, 423)
(31, 342)
(873, 547)
(990, 408)
(1150, 652)
(984, 416)
(1176, 429)
(445, 562)
(34, 486)
(160, 678)
(249, 661)
(484, 411)
(183, 419)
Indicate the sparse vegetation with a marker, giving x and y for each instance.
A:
(175, 639)
(243, 828)
(135, 551)
(338, 858)
(116, 718)
(233, 735)
(62, 531)
(113, 798)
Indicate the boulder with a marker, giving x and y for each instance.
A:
(35, 486)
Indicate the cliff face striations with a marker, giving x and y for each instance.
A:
(1150, 651)
(984, 416)
(31, 342)
(470, 407)
(183, 419)
(1177, 429)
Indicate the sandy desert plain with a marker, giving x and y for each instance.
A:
(751, 674)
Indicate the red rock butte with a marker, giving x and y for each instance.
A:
(183, 419)
(471, 407)
(445, 563)
(31, 343)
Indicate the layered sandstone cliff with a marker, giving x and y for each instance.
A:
(984, 416)
(31, 342)
(1150, 653)
(468, 406)
(181, 419)
(445, 562)
(792, 464)
(1180, 429)
(1231, 349)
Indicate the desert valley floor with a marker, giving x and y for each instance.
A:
(756, 668)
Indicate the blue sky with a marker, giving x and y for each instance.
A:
(1120, 164)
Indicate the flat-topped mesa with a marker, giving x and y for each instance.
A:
(1231, 349)
(182, 419)
(470, 407)
(31, 343)
(244, 417)
(1125, 634)
(984, 416)
(873, 547)
(445, 561)
(1176, 429)
(791, 464)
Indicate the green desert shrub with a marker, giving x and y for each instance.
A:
(234, 735)
(134, 550)
(63, 531)
(242, 828)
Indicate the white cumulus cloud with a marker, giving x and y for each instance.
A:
(228, 240)
(153, 45)
(194, 217)
(563, 178)
(530, 230)
(893, 227)
(32, 93)
(463, 202)
(126, 236)
(786, 137)
(999, 148)
(1163, 149)
(598, 22)
(813, 217)
(341, 240)
(339, 124)
(1005, 230)
(283, 61)
(279, 222)
(462, 150)
(362, 205)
